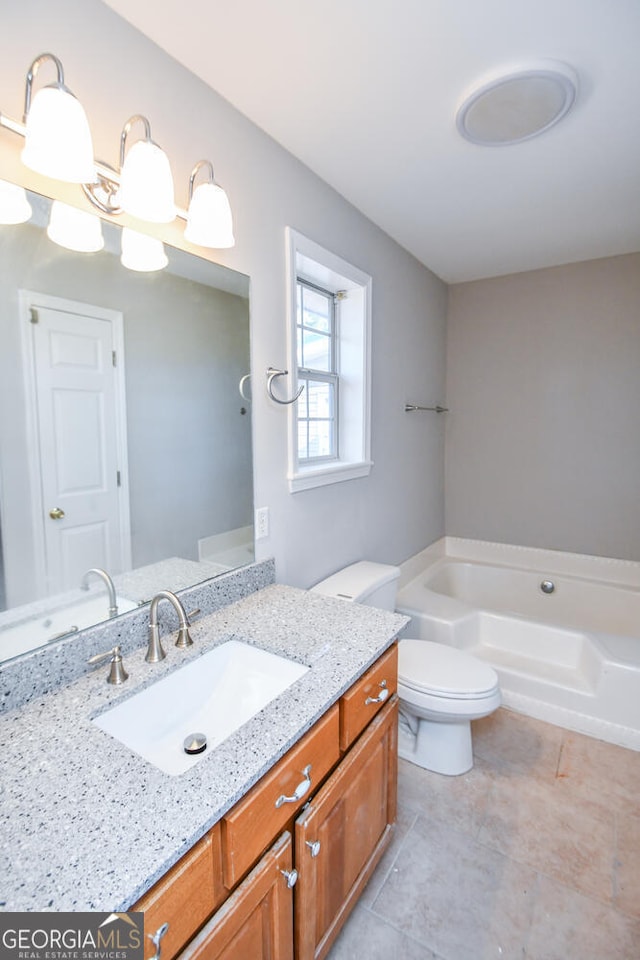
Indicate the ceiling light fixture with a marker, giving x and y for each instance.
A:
(58, 145)
(516, 105)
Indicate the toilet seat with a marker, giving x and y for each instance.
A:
(442, 671)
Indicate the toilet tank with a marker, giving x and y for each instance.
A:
(374, 584)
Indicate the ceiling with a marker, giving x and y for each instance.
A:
(365, 92)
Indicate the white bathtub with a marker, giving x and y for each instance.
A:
(571, 656)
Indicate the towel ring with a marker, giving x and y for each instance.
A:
(272, 373)
(243, 380)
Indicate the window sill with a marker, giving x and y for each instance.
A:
(309, 477)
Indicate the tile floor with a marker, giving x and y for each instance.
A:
(535, 853)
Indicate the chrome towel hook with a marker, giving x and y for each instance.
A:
(272, 373)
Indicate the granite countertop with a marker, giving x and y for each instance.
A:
(86, 824)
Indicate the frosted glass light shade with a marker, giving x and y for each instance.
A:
(518, 105)
(141, 253)
(14, 206)
(74, 229)
(209, 220)
(146, 184)
(57, 139)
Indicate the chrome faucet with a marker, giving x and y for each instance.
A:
(155, 651)
(104, 576)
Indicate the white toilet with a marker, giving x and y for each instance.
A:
(441, 689)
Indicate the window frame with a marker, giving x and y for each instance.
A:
(313, 263)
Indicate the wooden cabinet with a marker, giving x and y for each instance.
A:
(252, 824)
(256, 921)
(360, 704)
(184, 898)
(341, 835)
(228, 899)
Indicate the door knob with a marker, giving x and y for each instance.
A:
(56, 513)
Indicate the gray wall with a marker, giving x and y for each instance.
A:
(116, 72)
(543, 382)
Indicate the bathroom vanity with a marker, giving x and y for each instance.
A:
(290, 859)
(247, 848)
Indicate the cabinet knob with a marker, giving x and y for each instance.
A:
(382, 696)
(56, 513)
(156, 938)
(299, 792)
(291, 876)
(314, 847)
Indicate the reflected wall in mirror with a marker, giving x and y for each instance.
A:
(125, 443)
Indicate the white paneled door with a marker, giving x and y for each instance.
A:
(80, 449)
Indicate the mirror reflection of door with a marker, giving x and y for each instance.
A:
(77, 447)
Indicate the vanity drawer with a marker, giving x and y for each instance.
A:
(252, 824)
(362, 701)
(185, 897)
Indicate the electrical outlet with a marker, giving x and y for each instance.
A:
(262, 523)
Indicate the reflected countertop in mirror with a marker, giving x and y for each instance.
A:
(125, 443)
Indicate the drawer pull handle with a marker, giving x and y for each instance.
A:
(156, 938)
(299, 792)
(291, 876)
(382, 696)
(314, 847)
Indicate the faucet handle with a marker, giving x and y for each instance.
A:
(117, 672)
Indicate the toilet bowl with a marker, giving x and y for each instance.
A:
(441, 689)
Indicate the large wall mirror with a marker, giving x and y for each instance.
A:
(125, 441)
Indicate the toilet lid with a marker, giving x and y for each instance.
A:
(439, 669)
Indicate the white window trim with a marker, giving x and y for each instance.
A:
(334, 273)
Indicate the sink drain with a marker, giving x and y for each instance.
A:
(195, 743)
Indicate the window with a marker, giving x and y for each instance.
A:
(318, 371)
(329, 350)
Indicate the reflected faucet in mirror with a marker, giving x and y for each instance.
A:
(111, 590)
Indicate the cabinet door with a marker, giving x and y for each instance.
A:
(184, 898)
(256, 922)
(341, 835)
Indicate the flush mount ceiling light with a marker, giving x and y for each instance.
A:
(518, 104)
(58, 145)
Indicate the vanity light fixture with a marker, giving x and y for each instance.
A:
(57, 136)
(142, 253)
(14, 206)
(74, 229)
(58, 145)
(209, 220)
(515, 105)
(146, 183)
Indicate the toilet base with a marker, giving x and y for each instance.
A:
(440, 747)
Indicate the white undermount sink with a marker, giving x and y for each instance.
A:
(212, 695)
